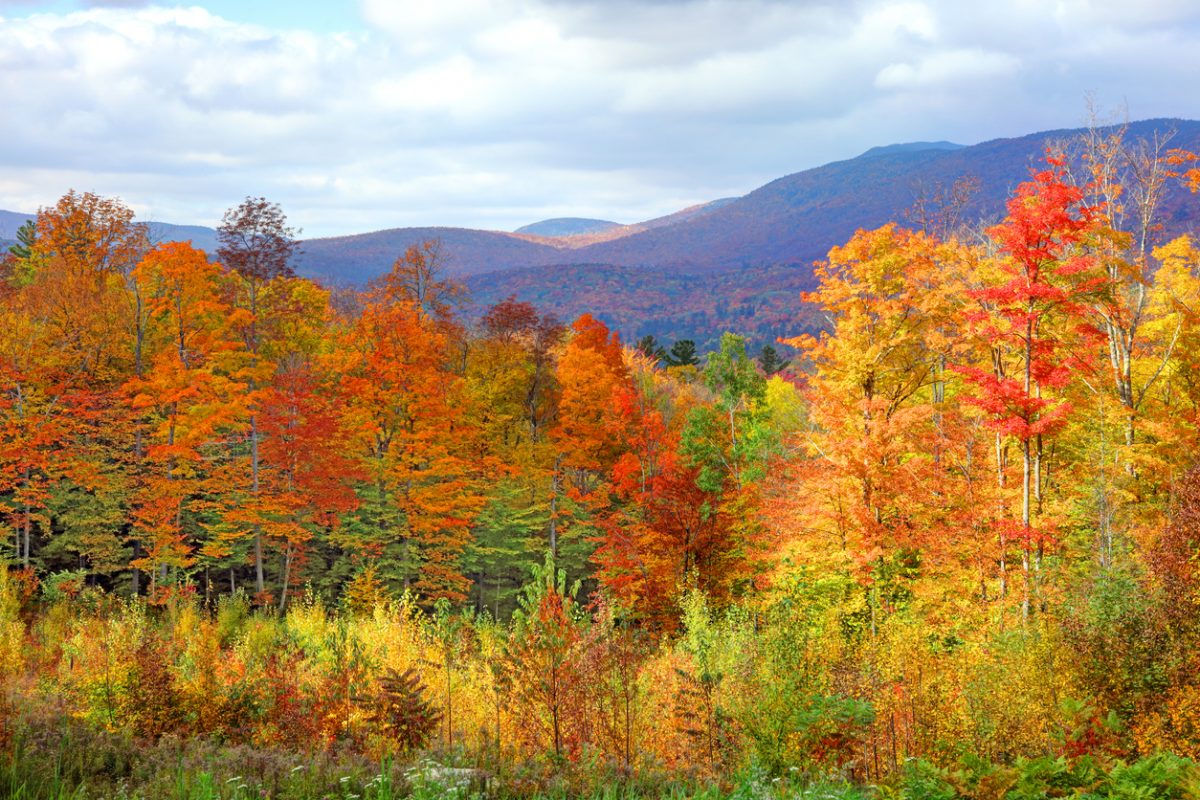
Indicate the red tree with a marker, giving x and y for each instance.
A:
(1033, 312)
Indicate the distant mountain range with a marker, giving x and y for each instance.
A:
(736, 263)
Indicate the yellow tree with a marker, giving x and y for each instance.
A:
(880, 447)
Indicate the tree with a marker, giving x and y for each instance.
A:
(668, 532)
(882, 442)
(26, 238)
(1138, 313)
(256, 244)
(192, 398)
(84, 247)
(512, 323)
(769, 361)
(650, 347)
(309, 470)
(62, 360)
(20, 255)
(1039, 311)
(409, 413)
(729, 440)
(590, 369)
(418, 277)
(540, 655)
(682, 354)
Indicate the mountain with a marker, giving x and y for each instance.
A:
(567, 226)
(578, 241)
(354, 260)
(757, 250)
(792, 220)
(797, 218)
(762, 303)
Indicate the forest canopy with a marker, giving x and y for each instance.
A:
(961, 521)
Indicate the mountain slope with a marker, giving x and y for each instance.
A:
(911, 147)
(797, 218)
(792, 220)
(763, 303)
(10, 221)
(200, 237)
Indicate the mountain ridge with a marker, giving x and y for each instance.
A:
(772, 233)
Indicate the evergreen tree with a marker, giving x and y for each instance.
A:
(650, 347)
(26, 237)
(769, 360)
(683, 353)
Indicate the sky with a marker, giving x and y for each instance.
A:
(357, 116)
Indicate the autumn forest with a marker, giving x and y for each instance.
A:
(269, 538)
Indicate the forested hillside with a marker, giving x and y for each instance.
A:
(276, 539)
(759, 302)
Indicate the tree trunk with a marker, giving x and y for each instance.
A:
(287, 578)
(555, 487)
(1002, 484)
(1027, 479)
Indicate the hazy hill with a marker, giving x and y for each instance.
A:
(567, 226)
(910, 147)
(200, 236)
(701, 276)
(792, 220)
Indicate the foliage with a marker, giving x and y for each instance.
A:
(950, 551)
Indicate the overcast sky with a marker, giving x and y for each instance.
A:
(357, 116)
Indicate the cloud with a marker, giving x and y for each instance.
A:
(949, 68)
(498, 112)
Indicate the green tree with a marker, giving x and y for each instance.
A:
(26, 238)
(541, 653)
(769, 360)
(730, 439)
(649, 346)
(682, 354)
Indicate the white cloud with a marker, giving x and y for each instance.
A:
(497, 112)
(950, 68)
